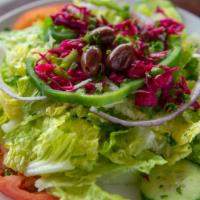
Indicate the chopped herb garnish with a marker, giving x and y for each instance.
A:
(170, 140)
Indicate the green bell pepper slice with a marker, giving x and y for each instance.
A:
(173, 57)
(60, 33)
(81, 98)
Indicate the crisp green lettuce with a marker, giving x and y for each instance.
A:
(25, 87)
(112, 9)
(75, 184)
(52, 143)
(175, 138)
(131, 148)
(148, 8)
(3, 116)
(62, 142)
(71, 149)
(20, 143)
(84, 193)
(195, 155)
(19, 45)
(11, 107)
(188, 50)
(126, 110)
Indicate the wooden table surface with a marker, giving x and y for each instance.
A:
(190, 5)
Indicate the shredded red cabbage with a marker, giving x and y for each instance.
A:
(90, 88)
(146, 98)
(159, 89)
(117, 78)
(67, 46)
(165, 79)
(60, 83)
(183, 85)
(44, 68)
(74, 17)
(139, 69)
(196, 105)
(127, 28)
(171, 26)
(161, 11)
(76, 75)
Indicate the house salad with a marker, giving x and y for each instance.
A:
(95, 90)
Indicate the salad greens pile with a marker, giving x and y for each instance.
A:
(71, 150)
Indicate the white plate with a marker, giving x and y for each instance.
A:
(193, 26)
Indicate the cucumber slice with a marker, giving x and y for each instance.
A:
(177, 182)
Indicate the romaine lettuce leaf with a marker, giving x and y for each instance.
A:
(19, 45)
(188, 49)
(25, 87)
(20, 143)
(148, 8)
(131, 148)
(191, 115)
(195, 155)
(125, 109)
(11, 107)
(176, 137)
(112, 9)
(3, 116)
(52, 143)
(84, 193)
(77, 180)
(62, 142)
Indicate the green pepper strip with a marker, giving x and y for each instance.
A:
(61, 34)
(83, 99)
(173, 57)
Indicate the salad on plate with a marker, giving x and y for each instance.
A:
(99, 92)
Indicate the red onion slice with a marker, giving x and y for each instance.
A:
(154, 122)
(196, 55)
(83, 83)
(5, 89)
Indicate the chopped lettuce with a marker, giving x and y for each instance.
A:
(62, 141)
(112, 7)
(125, 109)
(19, 45)
(192, 68)
(130, 147)
(191, 115)
(175, 138)
(148, 8)
(195, 155)
(20, 143)
(3, 116)
(25, 87)
(45, 141)
(188, 49)
(84, 193)
(11, 107)
(71, 149)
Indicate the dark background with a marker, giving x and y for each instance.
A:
(190, 5)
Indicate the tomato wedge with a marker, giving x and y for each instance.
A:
(2, 152)
(29, 17)
(11, 187)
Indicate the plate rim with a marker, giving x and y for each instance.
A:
(27, 6)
